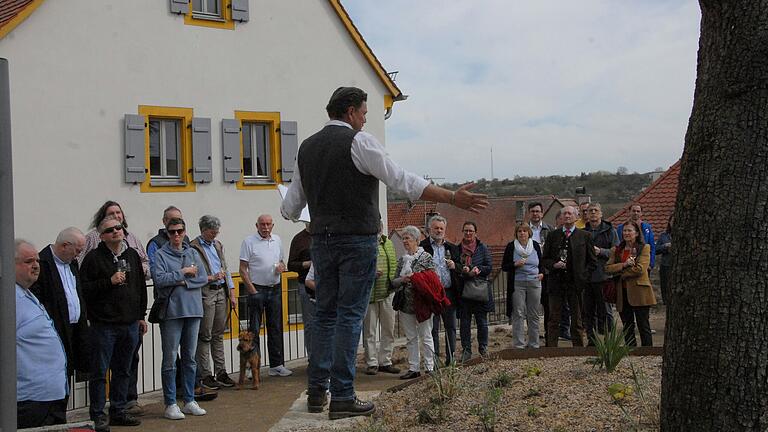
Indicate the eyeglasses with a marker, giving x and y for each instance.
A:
(179, 231)
(112, 229)
(469, 231)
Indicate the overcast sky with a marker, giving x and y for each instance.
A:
(555, 87)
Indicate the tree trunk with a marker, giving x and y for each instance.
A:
(715, 372)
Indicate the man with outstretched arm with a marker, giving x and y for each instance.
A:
(337, 174)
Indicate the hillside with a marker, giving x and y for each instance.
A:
(612, 190)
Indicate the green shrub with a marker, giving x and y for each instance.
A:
(611, 349)
(502, 379)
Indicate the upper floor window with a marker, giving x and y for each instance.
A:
(257, 152)
(212, 13)
(165, 151)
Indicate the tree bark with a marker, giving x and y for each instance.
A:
(715, 371)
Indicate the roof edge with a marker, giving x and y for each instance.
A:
(646, 191)
(20, 17)
(366, 50)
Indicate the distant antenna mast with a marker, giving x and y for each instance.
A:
(492, 177)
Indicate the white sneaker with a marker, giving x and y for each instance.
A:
(280, 371)
(172, 412)
(194, 409)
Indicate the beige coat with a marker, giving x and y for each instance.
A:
(635, 278)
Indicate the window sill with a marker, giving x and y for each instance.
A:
(208, 17)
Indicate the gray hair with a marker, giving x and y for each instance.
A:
(69, 235)
(412, 232)
(595, 204)
(209, 222)
(18, 243)
(105, 220)
(574, 210)
(437, 218)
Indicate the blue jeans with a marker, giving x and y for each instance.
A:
(345, 268)
(112, 348)
(448, 317)
(465, 330)
(174, 333)
(307, 317)
(268, 301)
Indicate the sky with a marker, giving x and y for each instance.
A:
(549, 87)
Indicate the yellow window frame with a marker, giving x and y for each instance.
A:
(234, 330)
(273, 119)
(227, 23)
(184, 115)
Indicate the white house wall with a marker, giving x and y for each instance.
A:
(77, 66)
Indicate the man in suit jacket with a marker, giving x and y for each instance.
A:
(443, 254)
(58, 289)
(570, 258)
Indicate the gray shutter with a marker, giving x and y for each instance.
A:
(180, 6)
(230, 143)
(240, 10)
(201, 150)
(135, 148)
(289, 147)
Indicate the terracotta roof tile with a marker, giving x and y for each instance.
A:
(9, 9)
(657, 201)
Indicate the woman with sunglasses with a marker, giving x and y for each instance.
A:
(179, 275)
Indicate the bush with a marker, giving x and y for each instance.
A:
(611, 349)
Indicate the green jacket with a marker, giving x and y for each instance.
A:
(386, 263)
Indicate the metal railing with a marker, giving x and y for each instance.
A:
(149, 376)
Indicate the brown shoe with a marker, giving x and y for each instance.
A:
(371, 370)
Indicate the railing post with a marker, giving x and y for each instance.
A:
(7, 272)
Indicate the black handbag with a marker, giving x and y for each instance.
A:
(475, 289)
(159, 309)
(398, 301)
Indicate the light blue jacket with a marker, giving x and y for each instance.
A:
(186, 300)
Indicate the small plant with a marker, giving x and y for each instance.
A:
(502, 379)
(533, 392)
(619, 391)
(372, 424)
(486, 412)
(448, 382)
(532, 371)
(611, 349)
(425, 417)
(646, 415)
(533, 411)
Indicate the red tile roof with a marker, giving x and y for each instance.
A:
(657, 201)
(399, 215)
(10, 9)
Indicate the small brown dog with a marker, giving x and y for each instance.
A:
(249, 356)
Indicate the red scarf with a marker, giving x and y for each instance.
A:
(468, 249)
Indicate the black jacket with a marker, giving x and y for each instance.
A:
(508, 265)
(50, 291)
(581, 259)
(606, 239)
(454, 252)
(113, 304)
(484, 262)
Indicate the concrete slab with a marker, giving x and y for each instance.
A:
(298, 419)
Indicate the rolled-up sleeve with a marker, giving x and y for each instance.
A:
(294, 200)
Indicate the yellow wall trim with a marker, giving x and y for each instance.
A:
(226, 24)
(395, 92)
(185, 115)
(20, 17)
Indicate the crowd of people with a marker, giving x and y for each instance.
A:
(82, 301)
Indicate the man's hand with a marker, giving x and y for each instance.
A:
(450, 264)
(232, 298)
(464, 199)
(117, 278)
(250, 288)
(142, 327)
(597, 250)
(559, 265)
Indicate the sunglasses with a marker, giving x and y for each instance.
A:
(112, 229)
(179, 231)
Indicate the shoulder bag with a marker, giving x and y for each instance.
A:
(475, 289)
(159, 309)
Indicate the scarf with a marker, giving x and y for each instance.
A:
(524, 252)
(408, 261)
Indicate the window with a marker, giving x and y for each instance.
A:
(259, 149)
(207, 9)
(220, 14)
(168, 149)
(256, 152)
(165, 151)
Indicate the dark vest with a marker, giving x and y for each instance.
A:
(341, 199)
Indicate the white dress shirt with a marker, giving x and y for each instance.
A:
(369, 157)
(69, 283)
